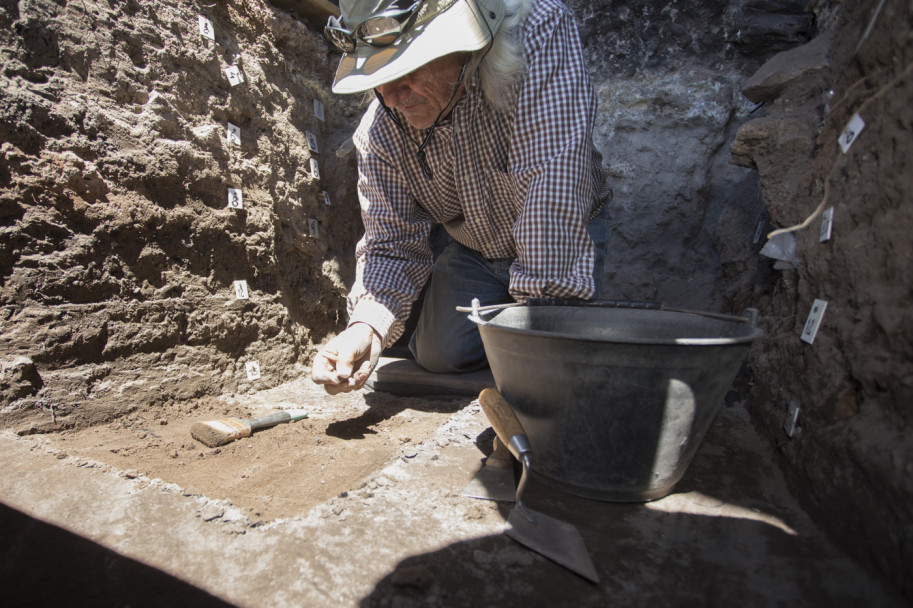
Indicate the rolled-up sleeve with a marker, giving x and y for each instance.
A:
(558, 172)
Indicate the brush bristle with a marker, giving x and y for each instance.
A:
(214, 433)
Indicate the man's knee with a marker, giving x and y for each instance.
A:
(449, 355)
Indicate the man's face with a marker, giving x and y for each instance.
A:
(423, 94)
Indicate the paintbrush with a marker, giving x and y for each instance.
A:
(213, 433)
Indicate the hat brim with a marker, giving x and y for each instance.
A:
(460, 28)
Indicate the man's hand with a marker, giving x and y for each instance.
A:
(345, 363)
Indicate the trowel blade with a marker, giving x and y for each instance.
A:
(557, 540)
(492, 483)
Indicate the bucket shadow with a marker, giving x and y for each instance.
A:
(44, 565)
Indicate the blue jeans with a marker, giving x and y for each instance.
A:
(446, 341)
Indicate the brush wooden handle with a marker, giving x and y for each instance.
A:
(502, 418)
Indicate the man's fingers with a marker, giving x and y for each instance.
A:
(323, 370)
(362, 374)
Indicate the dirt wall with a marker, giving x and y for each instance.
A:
(119, 250)
(851, 457)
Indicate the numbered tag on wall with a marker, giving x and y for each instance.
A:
(235, 77)
(253, 370)
(318, 110)
(234, 134)
(315, 170)
(312, 142)
(827, 225)
(850, 133)
(241, 292)
(235, 200)
(758, 232)
(814, 321)
(326, 198)
(792, 417)
(206, 29)
(314, 228)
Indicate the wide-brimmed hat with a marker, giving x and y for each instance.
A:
(440, 27)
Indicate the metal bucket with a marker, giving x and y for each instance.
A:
(615, 401)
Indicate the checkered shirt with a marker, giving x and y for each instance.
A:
(519, 184)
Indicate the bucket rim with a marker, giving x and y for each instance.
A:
(755, 333)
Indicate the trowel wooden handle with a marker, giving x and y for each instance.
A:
(502, 418)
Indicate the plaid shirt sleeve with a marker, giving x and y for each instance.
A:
(558, 172)
(393, 258)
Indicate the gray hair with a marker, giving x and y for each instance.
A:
(502, 63)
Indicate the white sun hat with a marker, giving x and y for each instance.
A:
(440, 27)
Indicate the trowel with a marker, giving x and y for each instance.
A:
(557, 540)
(495, 480)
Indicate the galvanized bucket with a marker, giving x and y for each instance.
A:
(615, 401)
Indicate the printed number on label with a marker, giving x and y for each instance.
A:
(814, 321)
(326, 198)
(314, 228)
(234, 134)
(827, 225)
(851, 132)
(312, 142)
(235, 77)
(241, 292)
(253, 370)
(235, 200)
(758, 231)
(792, 416)
(318, 110)
(206, 29)
(315, 170)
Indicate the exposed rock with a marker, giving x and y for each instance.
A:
(18, 378)
(760, 27)
(789, 67)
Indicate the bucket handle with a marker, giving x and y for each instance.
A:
(749, 315)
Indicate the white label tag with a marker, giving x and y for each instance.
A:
(241, 290)
(235, 200)
(235, 77)
(827, 224)
(758, 231)
(253, 370)
(318, 110)
(206, 29)
(312, 141)
(851, 132)
(314, 228)
(315, 170)
(792, 416)
(234, 134)
(814, 321)
(326, 198)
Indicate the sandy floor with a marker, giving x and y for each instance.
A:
(360, 505)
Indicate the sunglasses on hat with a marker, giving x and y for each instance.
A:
(380, 30)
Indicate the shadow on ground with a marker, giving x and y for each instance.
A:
(730, 535)
(44, 565)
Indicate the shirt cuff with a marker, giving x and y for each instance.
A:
(374, 314)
